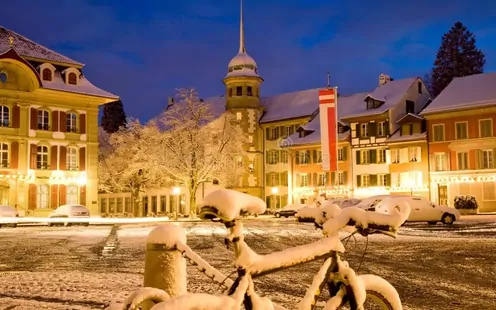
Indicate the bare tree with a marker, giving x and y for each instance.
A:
(194, 146)
(125, 164)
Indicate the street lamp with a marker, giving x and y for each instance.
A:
(176, 191)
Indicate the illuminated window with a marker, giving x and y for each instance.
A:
(4, 155)
(42, 157)
(4, 116)
(72, 194)
(43, 119)
(43, 196)
(71, 122)
(72, 157)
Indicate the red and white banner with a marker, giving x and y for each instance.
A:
(328, 128)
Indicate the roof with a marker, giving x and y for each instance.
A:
(84, 87)
(465, 92)
(396, 137)
(390, 93)
(27, 48)
(410, 117)
(290, 105)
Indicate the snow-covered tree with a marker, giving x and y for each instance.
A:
(125, 164)
(194, 146)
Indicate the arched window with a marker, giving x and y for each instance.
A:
(43, 196)
(71, 160)
(71, 122)
(72, 194)
(42, 157)
(4, 116)
(46, 74)
(43, 119)
(72, 78)
(4, 155)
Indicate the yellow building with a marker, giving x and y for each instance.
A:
(48, 128)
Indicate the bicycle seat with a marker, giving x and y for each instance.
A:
(228, 204)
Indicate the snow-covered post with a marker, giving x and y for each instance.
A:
(165, 267)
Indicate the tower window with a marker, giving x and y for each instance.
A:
(230, 92)
(249, 91)
(239, 91)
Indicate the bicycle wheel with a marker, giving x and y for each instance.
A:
(380, 295)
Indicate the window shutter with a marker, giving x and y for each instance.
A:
(297, 158)
(276, 156)
(372, 129)
(373, 156)
(63, 122)
(16, 117)
(418, 156)
(53, 156)
(388, 179)
(387, 128)
(53, 196)
(82, 195)
(82, 159)
(345, 153)
(63, 158)
(308, 158)
(358, 134)
(32, 156)
(267, 157)
(333, 178)
(34, 119)
(345, 177)
(267, 134)
(447, 162)
(278, 179)
(284, 179)
(359, 180)
(267, 179)
(62, 194)
(82, 124)
(357, 157)
(32, 197)
(55, 120)
(14, 155)
(315, 160)
(298, 180)
(315, 180)
(373, 179)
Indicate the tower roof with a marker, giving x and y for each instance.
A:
(242, 64)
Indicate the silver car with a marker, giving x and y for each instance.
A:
(8, 216)
(76, 213)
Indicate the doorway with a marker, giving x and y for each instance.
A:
(442, 195)
(4, 194)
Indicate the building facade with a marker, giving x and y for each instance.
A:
(462, 143)
(48, 128)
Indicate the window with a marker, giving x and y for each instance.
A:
(304, 180)
(381, 156)
(238, 116)
(304, 157)
(318, 159)
(4, 116)
(395, 156)
(4, 155)
(462, 160)
(230, 92)
(487, 159)
(274, 131)
(71, 122)
(440, 161)
(438, 131)
(119, 203)
(365, 180)
(71, 158)
(289, 130)
(382, 179)
(43, 118)
(485, 128)
(381, 129)
(364, 130)
(322, 179)
(42, 157)
(46, 74)
(250, 139)
(43, 195)
(410, 107)
(461, 130)
(419, 87)
(488, 191)
(239, 91)
(365, 156)
(249, 91)
(340, 154)
(284, 157)
(273, 157)
(72, 194)
(3, 77)
(340, 178)
(103, 205)
(72, 78)
(413, 154)
(127, 205)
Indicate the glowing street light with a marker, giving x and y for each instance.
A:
(176, 191)
(274, 190)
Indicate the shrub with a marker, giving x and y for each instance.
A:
(466, 202)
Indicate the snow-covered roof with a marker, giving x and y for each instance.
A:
(390, 93)
(217, 105)
(290, 105)
(84, 86)
(27, 48)
(409, 116)
(465, 92)
(396, 137)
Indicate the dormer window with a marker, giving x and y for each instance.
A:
(239, 91)
(72, 78)
(249, 91)
(46, 74)
(373, 104)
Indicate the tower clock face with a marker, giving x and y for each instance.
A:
(3, 77)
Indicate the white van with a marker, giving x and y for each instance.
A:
(422, 210)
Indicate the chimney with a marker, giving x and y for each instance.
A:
(384, 78)
(170, 101)
(201, 100)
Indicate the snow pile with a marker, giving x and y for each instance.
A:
(229, 204)
(169, 235)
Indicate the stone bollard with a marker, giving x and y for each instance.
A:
(165, 267)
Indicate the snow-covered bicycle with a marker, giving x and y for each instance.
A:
(347, 290)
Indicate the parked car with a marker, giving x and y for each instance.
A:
(369, 203)
(8, 216)
(71, 211)
(345, 203)
(289, 210)
(422, 210)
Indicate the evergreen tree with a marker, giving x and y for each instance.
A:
(113, 117)
(457, 56)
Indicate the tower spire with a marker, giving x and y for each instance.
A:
(242, 48)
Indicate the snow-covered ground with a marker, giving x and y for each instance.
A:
(433, 267)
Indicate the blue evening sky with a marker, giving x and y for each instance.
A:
(144, 50)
